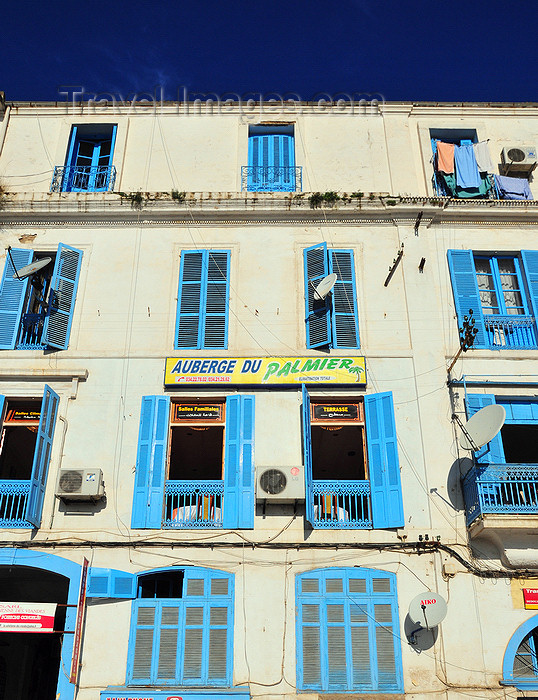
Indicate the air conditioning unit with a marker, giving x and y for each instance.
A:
(280, 484)
(80, 484)
(520, 158)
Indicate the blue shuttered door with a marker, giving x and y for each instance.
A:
(307, 456)
(383, 465)
(530, 266)
(465, 290)
(203, 295)
(12, 296)
(63, 292)
(318, 312)
(345, 323)
(40, 466)
(239, 500)
(493, 452)
(271, 160)
(148, 498)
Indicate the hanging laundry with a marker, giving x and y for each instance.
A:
(467, 174)
(513, 187)
(445, 157)
(483, 158)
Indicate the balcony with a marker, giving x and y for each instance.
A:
(83, 178)
(514, 331)
(445, 186)
(342, 504)
(13, 499)
(31, 332)
(193, 504)
(271, 178)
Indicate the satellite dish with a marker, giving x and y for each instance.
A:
(28, 270)
(325, 286)
(483, 426)
(427, 609)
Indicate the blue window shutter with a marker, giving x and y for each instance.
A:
(311, 629)
(465, 290)
(143, 642)
(63, 293)
(2, 404)
(111, 583)
(318, 315)
(530, 266)
(215, 312)
(383, 465)
(148, 498)
(493, 452)
(307, 456)
(189, 299)
(70, 160)
(238, 501)
(12, 296)
(40, 466)
(345, 322)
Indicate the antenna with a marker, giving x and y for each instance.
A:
(426, 610)
(30, 269)
(482, 427)
(325, 286)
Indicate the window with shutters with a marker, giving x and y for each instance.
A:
(181, 629)
(504, 478)
(195, 463)
(202, 300)
(331, 321)
(271, 160)
(26, 434)
(500, 293)
(348, 631)
(520, 664)
(36, 309)
(351, 463)
(88, 164)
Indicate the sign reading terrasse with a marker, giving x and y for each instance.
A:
(264, 371)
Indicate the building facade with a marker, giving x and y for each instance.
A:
(228, 385)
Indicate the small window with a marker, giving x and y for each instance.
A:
(271, 160)
(88, 166)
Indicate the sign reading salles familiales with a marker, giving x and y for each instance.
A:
(264, 371)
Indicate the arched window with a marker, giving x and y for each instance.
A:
(348, 632)
(181, 628)
(520, 665)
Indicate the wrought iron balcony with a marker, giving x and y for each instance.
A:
(342, 504)
(514, 331)
(13, 498)
(83, 178)
(501, 488)
(31, 332)
(271, 178)
(193, 504)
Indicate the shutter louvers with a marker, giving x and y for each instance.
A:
(189, 299)
(194, 635)
(143, 649)
(218, 639)
(344, 302)
(336, 654)
(360, 652)
(219, 586)
(12, 297)
(168, 643)
(318, 317)
(216, 300)
(465, 290)
(63, 292)
(311, 656)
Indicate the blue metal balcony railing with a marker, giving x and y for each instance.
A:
(271, 178)
(31, 332)
(191, 504)
(13, 498)
(518, 332)
(83, 178)
(342, 504)
(500, 488)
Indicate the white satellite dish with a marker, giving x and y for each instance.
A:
(427, 609)
(325, 286)
(28, 270)
(483, 426)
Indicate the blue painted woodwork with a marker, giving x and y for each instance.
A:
(520, 661)
(348, 636)
(12, 297)
(341, 504)
(88, 166)
(110, 583)
(41, 560)
(529, 259)
(239, 497)
(78, 175)
(13, 502)
(43, 448)
(317, 265)
(493, 451)
(123, 693)
(188, 640)
(193, 504)
(202, 303)
(465, 290)
(271, 163)
(148, 497)
(63, 292)
(307, 456)
(383, 464)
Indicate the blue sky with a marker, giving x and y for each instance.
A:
(400, 50)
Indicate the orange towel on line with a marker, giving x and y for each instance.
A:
(445, 157)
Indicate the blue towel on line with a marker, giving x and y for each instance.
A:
(465, 166)
(513, 187)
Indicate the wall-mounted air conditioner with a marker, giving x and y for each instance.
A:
(80, 484)
(280, 484)
(521, 158)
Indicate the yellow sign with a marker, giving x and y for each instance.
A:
(264, 371)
